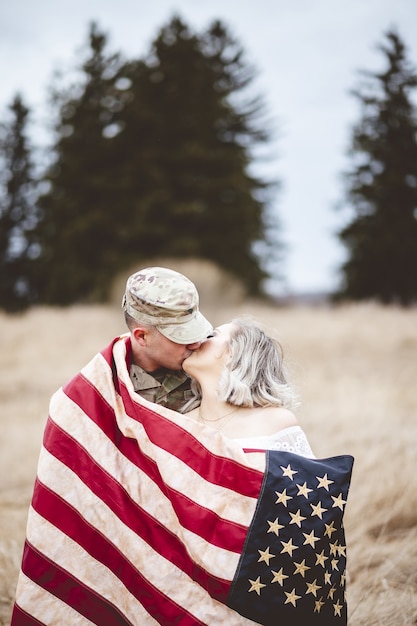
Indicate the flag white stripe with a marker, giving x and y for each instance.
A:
(44, 606)
(175, 473)
(62, 480)
(72, 557)
(162, 574)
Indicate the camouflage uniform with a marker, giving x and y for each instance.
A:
(165, 387)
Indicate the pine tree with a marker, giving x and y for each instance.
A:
(153, 158)
(382, 185)
(190, 132)
(18, 212)
(79, 210)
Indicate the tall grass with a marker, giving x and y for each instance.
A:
(355, 368)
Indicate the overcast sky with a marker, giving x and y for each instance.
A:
(307, 54)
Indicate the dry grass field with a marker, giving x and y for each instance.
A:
(356, 370)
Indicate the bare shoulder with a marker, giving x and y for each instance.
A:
(278, 418)
(260, 422)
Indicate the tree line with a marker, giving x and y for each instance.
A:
(154, 157)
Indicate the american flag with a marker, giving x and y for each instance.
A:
(143, 516)
(293, 566)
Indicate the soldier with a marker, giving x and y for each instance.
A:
(162, 314)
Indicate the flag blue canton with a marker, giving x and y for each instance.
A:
(293, 566)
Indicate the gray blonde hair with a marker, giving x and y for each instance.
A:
(254, 375)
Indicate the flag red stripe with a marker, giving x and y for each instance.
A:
(69, 589)
(172, 437)
(166, 435)
(87, 602)
(200, 520)
(60, 513)
(22, 618)
(129, 512)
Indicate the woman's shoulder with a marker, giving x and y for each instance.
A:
(277, 418)
(260, 421)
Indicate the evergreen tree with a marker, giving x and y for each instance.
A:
(18, 213)
(190, 133)
(152, 158)
(79, 210)
(382, 185)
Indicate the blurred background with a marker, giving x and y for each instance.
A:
(277, 140)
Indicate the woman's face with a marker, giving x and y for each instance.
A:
(212, 354)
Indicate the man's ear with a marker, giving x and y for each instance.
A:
(140, 335)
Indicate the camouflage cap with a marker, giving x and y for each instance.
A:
(168, 300)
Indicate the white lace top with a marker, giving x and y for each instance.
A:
(291, 439)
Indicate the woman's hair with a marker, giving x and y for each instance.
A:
(254, 374)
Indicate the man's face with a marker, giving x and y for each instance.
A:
(159, 351)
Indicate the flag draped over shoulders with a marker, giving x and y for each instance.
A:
(143, 516)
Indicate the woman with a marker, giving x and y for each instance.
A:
(244, 391)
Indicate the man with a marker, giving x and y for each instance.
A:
(165, 324)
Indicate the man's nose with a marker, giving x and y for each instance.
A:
(195, 345)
